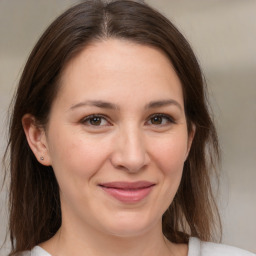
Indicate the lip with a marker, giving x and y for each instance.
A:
(128, 192)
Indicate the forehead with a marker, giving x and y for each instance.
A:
(119, 68)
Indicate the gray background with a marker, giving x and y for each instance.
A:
(223, 35)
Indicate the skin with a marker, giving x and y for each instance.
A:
(129, 141)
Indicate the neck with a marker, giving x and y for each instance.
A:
(90, 242)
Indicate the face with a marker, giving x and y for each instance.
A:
(117, 138)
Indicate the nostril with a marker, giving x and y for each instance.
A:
(130, 153)
(128, 164)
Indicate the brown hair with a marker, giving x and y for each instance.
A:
(35, 213)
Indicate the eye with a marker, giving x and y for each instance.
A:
(95, 120)
(160, 119)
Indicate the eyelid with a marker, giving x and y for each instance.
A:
(167, 116)
(87, 118)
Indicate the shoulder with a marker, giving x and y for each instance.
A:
(199, 248)
(36, 251)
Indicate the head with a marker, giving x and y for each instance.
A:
(34, 188)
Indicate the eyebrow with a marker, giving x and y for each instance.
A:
(163, 103)
(108, 105)
(95, 103)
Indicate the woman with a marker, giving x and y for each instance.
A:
(111, 142)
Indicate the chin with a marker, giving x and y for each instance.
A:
(131, 227)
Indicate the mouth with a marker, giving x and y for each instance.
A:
(128, 192)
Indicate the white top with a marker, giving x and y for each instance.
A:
(199, 248)
(195, 248)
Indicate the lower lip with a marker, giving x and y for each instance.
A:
(128, 195)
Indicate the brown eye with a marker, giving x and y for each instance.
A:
(160, 120)
(156, 120)
(95, 120)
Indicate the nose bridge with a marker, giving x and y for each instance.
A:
(133, 142)
(131, 152)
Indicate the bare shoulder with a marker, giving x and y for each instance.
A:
(197, 247)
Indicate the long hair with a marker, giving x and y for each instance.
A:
(35, 214)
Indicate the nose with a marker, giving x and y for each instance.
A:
(130, 153)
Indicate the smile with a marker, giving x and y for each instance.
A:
(128, 192)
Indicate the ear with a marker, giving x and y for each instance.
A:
(191, 136)
(36, 138)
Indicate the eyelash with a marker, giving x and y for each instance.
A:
(167, 117)
(89, 118)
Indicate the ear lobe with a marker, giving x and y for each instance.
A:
(36, 139)
(191, 136)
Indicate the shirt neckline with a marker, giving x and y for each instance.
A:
(194, 245)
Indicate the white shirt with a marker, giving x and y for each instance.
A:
(199, 248)
(195, 248)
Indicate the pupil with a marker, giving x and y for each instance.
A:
(157, 120)
(95, 120)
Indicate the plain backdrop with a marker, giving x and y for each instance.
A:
(223, 36)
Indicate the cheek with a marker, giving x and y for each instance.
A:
(170, 154)
(76, 159)
(76, 162)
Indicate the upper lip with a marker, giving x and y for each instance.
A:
(127, 185)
